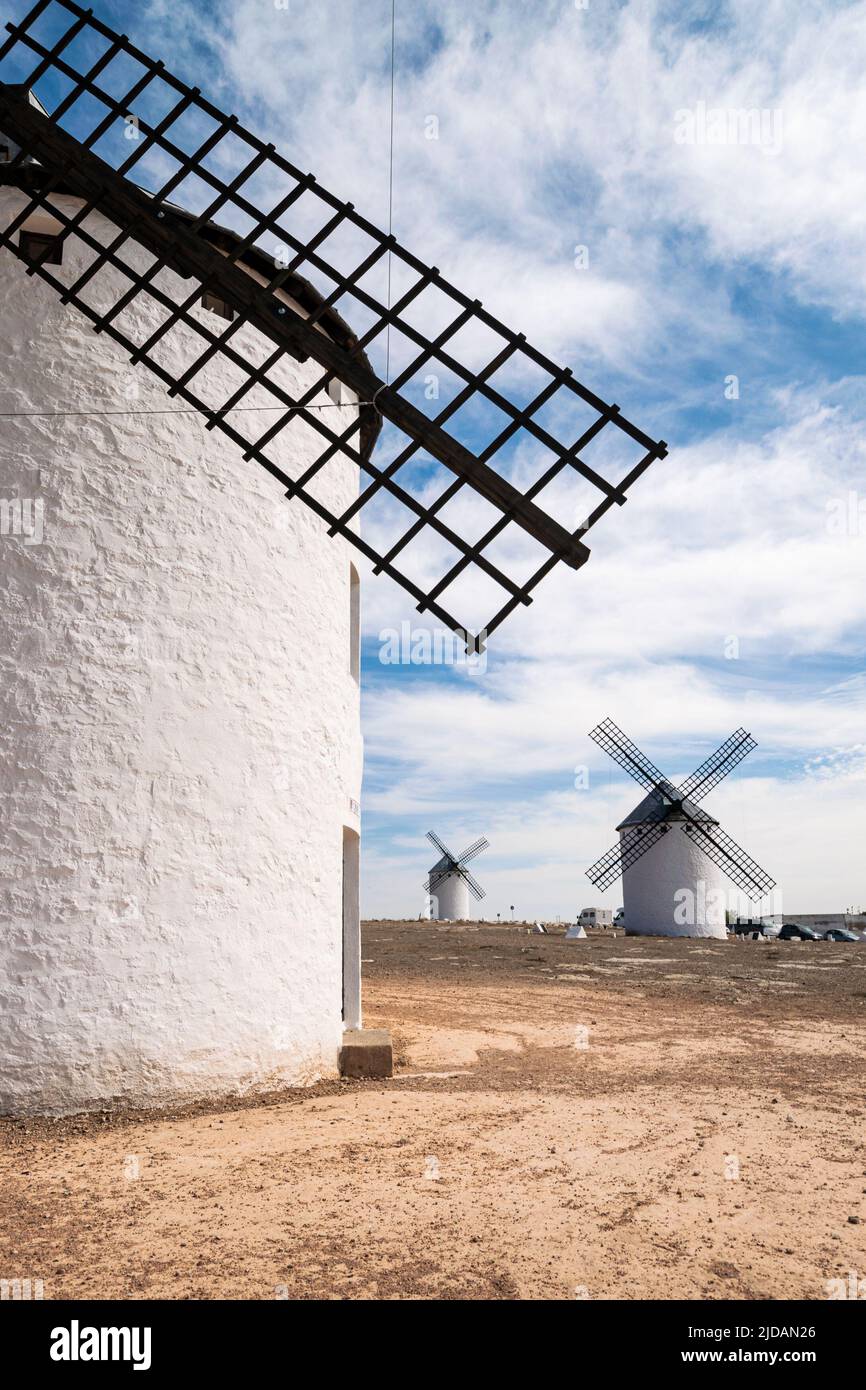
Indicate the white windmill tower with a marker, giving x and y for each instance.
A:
(679, 888)
(179, 702)
(449, 882)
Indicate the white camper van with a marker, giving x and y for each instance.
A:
(595, 917)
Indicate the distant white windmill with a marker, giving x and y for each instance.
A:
(449, 882)
(678, 889)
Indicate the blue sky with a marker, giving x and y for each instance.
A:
(730, 590)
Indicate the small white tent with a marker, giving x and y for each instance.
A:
(575, 933)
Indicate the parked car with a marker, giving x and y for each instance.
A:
(840, 934)
(793, 932)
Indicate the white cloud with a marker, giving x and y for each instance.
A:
(758, 539)
(557, 127)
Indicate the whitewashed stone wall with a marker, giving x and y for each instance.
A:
(655, 884)
(179, 729)
(451, 899)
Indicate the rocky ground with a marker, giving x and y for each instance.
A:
(609, 1118)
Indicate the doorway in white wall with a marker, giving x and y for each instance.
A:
(351, 928)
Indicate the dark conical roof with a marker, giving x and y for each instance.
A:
(662, 798)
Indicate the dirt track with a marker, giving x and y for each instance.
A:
(611, 1118)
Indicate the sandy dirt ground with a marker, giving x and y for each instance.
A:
(612, 1118)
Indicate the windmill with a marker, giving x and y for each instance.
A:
(449, 882)
(672, 854)
(212, 269)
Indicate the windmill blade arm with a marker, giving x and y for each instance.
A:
(718, 765)
(620, 747)
(473, 850)
(433, 881)
(634, 843)
(474, 887)
(739, 866)
(437, 843)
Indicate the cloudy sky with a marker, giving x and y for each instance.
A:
(718, 296)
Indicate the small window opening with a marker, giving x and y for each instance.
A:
(335, 390)
(5, 154)
(215, 305)
(32, 244)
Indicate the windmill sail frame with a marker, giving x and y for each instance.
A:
(67, 164)
(455, 864)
